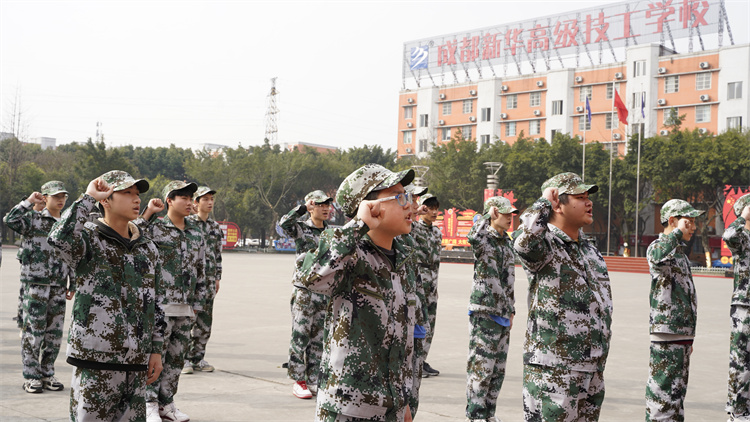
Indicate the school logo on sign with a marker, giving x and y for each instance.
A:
(419, 57)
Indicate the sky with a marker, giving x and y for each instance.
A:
(192, 72)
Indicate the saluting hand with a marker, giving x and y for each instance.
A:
(310, 205)
(36, 198)
(746, 213)
(422, 210)
(99, 189)
(369, 213)
(156, 205)
(494, 213)
(553, 196)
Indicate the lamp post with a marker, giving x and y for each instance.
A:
(492, 180)
(420, 171)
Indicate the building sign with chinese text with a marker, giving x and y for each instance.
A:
(231, 234)
(732, 194)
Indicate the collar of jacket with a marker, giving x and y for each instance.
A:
(110, 233)
(310, 223)
(189, 223)
(403, 252)
(46, 214)
(564, 236)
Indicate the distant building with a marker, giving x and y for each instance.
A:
(304, 146)
(212, 147)
(6, 135)
(45, 143)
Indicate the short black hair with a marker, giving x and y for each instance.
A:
(431, 202)
(371, 196)
(186, 191)
(564, 198)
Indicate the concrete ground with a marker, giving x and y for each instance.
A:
(252, 328)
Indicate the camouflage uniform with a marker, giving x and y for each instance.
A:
(308, 308)
(213, 236)
(44, 278)
(183, 257)
(367, 359)
(428, 240)
(117, 320)
(570, 314)
(22, 256)
(672, 319)
(492, 296)
(737, 239)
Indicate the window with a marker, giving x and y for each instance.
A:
(585, 92)
(511, 101)
(552, 134)
(610, 90)
(423, 120)
(639, 68)
(557, 108)
(611, 117)
(734, 122)
(703, 81)
(535, 127)
(484, 139)
(671, 84)
(423, 145)
(734, 90)
(583, 124)
(408, 136)
(486, 114)
(409, 112)
(466, 132)
(446, 109)
(535, 100)
(510, 129)
(703, 114)
(468, 106)
(446, 134)
(669, 114)
(636, 104)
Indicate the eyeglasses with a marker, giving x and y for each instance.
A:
(323, 205)
(402, 198)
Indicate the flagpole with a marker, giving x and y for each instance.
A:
(583, 169)
(611, 144)
(638, 175)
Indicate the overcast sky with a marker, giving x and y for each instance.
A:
(192, 72)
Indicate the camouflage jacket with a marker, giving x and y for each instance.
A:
(570, 297)
(40, 261)
(674, 306)
(421, 317)
(366, 368)
(428, 244)
(183, 258)
(117, 317)
(737, 238)
(304, 232)
(213, 236)
(494, 270)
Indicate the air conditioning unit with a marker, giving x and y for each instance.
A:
(540, 83)
(579, 109)
(472, 119)
(504, 88)
(616, 136)
(442, 96)
(441, 122)
(618, 75)
(579, 79)
(705, 97)
(472, 92)
(408, 150)
(704, 65)
(661, 101)
(662, 70)
(503, 116)
(702, 131)
(410, 100)
(537, 113)
(663, 132)
(410, 124)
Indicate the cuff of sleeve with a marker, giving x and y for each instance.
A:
(26, 204)
(88, 202)
(156, 347)
(301, 210)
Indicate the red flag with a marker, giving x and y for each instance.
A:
(622, 111)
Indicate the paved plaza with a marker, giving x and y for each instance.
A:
(251, 335)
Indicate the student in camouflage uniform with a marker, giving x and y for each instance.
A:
(183, 254)
(429, 244)
(491, 307)
(673, 313)
(22, 256)
(308, 308)
(45, 278)
(737, 238)
(367, 371)
(570, 305)
(213, 235)
(117, 326)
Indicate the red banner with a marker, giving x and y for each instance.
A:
(231, 234)
(732, 193)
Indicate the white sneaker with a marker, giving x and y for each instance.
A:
(739, 418)
(171, 413)
(152, 412)
(188, 368)
(493, 419)
(300, 390)
(313, 389)
(204, 366)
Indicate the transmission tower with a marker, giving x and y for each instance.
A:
(99, 132)
(272, 130)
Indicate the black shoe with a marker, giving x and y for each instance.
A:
(426, 368)
(285, 365)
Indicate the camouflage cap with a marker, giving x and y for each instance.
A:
(415, 190)
(53, 188)
(502, 204)
(366, 179)
(203, 190)
(677, 208)
(121, 180)
(318, 196)
(424, 198)
(569, 183)
(177, 185)
(741, 204)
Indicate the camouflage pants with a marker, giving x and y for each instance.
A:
(323, 415)
(306, 345)
(44, 315)
(201, 333)
(19, 316)
(418, 360)
(739, 361)
(667, 381)
(561, 395)
(429, 281)
(485, 369)
(100, 395)
(176, 338)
